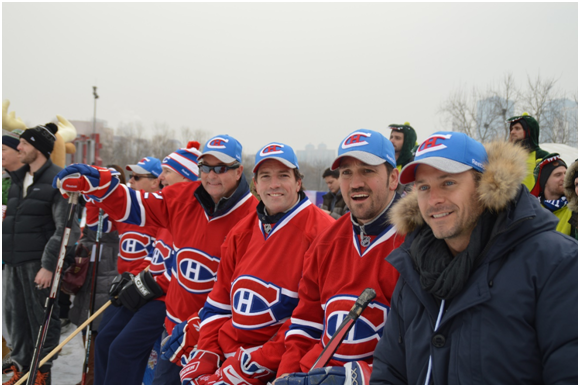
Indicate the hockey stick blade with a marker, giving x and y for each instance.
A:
(359, 306)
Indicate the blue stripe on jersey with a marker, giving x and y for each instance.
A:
(135, 208)
(209, 311)
(304, 330)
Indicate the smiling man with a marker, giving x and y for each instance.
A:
(346, 259)
(198, 216)
(246, 315)
(488, 292)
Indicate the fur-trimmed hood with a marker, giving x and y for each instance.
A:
(500, 183)
(569, 188)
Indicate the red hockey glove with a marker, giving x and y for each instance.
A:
(200, 364)
(182, 341)
(96, 182)
(241, 369)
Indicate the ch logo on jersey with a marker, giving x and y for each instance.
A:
(356, 139)
(253, 301)
(433, 143)
(196, 270)
(218, 143)
(363, 337)
(161, 253)
(134, 246)
(272, 149)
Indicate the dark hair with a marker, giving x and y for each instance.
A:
(121, 172)
(327, 172)
(300, 177)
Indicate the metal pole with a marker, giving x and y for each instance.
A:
(94, 123)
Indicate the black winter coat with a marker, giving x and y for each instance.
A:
(515, 322)
(34, 225)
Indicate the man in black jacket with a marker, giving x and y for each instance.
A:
(31, 236)
(488, 289)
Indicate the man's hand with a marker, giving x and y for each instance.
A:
(43, 278)
(96, 182)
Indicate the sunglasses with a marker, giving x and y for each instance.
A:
(219, 169)
(139, 177)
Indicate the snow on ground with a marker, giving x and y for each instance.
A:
(67, 369)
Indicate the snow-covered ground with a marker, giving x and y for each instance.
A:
(67, 369)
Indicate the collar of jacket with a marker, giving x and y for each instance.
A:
(213, 209)
(271, 219)
(378, 224)
(18, 175)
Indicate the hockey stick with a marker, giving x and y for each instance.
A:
(361, 303)
(51, 299)
(89, 334)
(65, 341)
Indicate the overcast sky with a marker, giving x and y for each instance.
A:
(297, 73)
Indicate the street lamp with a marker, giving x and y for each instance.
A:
(95, 111)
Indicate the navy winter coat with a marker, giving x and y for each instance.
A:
(515, 322)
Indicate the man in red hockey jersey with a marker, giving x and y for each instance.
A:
(246, 315)
(198, 216)
(345, 260)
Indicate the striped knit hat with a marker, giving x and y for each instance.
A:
(184, 161)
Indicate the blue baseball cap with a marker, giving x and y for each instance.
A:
(184, 162)
(147, 165)
(450, 152)
(368, 146)
(226, 148)
(277, 151)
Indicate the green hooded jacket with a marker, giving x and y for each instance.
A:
(410, 139)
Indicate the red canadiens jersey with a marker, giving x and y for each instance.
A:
(197, 238)
(336, 271)
(135, 243)
(257, 286)
(161, 260)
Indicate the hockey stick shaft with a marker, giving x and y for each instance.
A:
(359, 306)
(65, 341)
(95, 272)
(50, 301)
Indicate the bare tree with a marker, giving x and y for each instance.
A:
(186, 134)
(459, 111)
(483, 114)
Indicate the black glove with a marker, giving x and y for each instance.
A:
(139, 291)
(117, 285)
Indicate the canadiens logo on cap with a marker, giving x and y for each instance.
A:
(218, 143)
(432, 144)
(356, 139)
(272, 149)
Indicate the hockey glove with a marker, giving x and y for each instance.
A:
(351, 373)
(200, 366)
(117, 285)
(182, 341)
(140, 291)
(240, 369)
(96, 182)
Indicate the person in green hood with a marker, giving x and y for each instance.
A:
(525, 130)
(404, 139)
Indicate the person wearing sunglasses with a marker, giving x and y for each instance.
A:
(246, 315)
(198, 214)
(145, 175)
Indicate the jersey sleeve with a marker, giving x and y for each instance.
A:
(306, 326)
(160, 261)
(217, 309)
(140, 208)
(92, 217)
